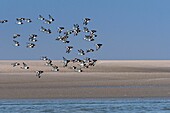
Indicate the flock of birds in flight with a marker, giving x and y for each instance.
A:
(63, 37)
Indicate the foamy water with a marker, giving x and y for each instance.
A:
(86, 106)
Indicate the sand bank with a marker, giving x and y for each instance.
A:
(108, 79)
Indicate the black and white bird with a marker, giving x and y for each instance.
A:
(92, 33)
(55, 68)
(76, 32)
(38, 73)
(63, 39)
(19, 22)
(47, 21)
(65, 62)
(89, 50)
(48, 62)
(30, 45)
(3, 21)
(33, 37)
(20, 19)
(15, 64)
(89, 38)
(41, 17)
(98, 46)
(28, 20)
(43, 29)
(44, 58)
(86, 21)
(68, 49)
(76, 26)
(51, 18)
(85, 29)
(92, 62)
(24, 66)
(60, 29)
(16, 36)
(16, 43)
(81, 52)
(48, 31)
(76, 29)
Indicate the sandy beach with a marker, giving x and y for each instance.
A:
(108, 79)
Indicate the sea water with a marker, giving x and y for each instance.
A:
(85, 106)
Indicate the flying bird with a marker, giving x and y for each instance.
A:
(81, 52)
(86, 21)
(30, 45)
(19, 22)
(3, 21)
(68, 49)
(92, 33)
(47, 21)
(98, 46)
(89, 38)
(55, 68)
(44, 58)
(48, 31)
(16, 43)
(24, 66)
(33, 37)
(41, 17)
(63, 39)
(15, 64)
(48, 62)
(16, 36)
(89, 50)
(92, 62)
(28, 20)
(65, 62)
(60, 29)
(51, 18)
(85, 29)
(76, 29)
(38, 73)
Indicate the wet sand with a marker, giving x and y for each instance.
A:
(108, 79)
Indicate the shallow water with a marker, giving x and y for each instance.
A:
(85, 106)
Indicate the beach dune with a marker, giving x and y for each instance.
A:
(108, 79)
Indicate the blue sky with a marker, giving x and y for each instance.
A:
(128, 29)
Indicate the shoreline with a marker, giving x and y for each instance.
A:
(108, 79)
(107, 98)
